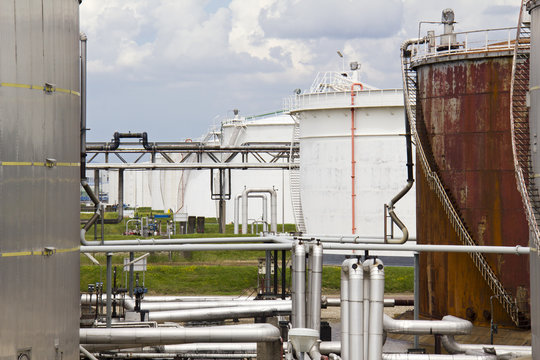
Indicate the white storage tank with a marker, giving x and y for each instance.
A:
(327, 139)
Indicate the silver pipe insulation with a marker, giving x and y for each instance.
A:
(273, 208)
(220, 240)
(356, 311)
(345, 316)
(516, 250)
(187, 247)
(87, 353)
(315, 281)
(337, 302)
(188, 298)
(449, 325)
(397, 221)
(299, 286)
(221, 313)
(376, 309)
(264, 211)
(184, 305)
(165, 336)
(395, 356)
(505, 351)
(136, 355)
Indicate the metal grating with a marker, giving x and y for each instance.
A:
(410, 90)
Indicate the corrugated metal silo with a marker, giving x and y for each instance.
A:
(463, 120)
(39, 179)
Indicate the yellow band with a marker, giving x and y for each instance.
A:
(42, 88)
(38, 163)
(44, 252)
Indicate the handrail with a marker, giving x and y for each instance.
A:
(506, 300)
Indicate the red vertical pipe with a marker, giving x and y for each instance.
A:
(353, 161)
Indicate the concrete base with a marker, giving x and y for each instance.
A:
(269, 350)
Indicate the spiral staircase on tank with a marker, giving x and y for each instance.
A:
(507, 301)
(519, 121)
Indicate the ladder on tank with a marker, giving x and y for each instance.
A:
(294, 181)
(519, 121)
(410, 90)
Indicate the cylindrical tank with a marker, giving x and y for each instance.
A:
(39, 179)
(326, 160)
(463, 121)
(534, 118)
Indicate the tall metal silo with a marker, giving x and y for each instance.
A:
(463, 127)
(39, 179)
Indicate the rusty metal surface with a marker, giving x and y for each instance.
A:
(464, 116)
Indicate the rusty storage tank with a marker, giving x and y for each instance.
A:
(39, 179)
(463, 123)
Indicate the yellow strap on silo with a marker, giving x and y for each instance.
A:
(44, 252)
(38, 163)
(42, 88)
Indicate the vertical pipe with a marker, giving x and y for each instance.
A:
(376, 310)
(109, 288)
(120, 195)
(83, 39)
(309, 285)
(316, 284)
(356, 311)
(264, 213)
(367, 309)
(275, 292)
(96, 191)
(344, 297)
(416, 293)
(268, 272)
(131, 268)
(244, 212)
(293, 286)
(283, 273)
(236, 213)
(273, 214)
(300, 284)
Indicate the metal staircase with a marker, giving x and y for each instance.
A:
(410, 90)
(519, 121)
(294, 181)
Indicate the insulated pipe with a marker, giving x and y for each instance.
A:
(450, 325)
(356, 311)
(109, 290)
(165, 336)
(95, 216)
(87, 353)
(387, 302)
(516, 250)
(157, 298)
(161, 356)
(221, 313)
(506, 351)
(395, 356)
(219, 240)
(196, 247)
(367, 290)
(273, 208)
(264, 211)
(169, 306)
(345, 315)
(299, 275)
(376, 310)
(316, 284)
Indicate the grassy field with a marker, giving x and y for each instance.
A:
(189, 279)
(209, 272)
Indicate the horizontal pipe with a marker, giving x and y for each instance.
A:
(188, 241)
(180, 166)
(516, 250)
(389, 356)
(87, 353)
(135, 355)
(158, 298)
(199, 247)
(511, 351)
(387, 302)
(450, 325)
(164, 336)
(184, 305)
(221, 313)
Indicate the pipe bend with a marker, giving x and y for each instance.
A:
(395, 218)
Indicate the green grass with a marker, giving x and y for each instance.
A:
(231, 280)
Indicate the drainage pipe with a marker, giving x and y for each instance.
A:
(221, 313)
(87, 353)
(450, 325)
(264, 211)
(164, 336)
(376, 310)
(299, 285)
(273, 208)
(516, 250)
(345, 316)
(510, 351)
(356, 311)
(194, 247)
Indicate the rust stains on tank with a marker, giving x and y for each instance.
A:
(463, 120)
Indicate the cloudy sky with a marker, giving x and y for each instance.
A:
(173, 68)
